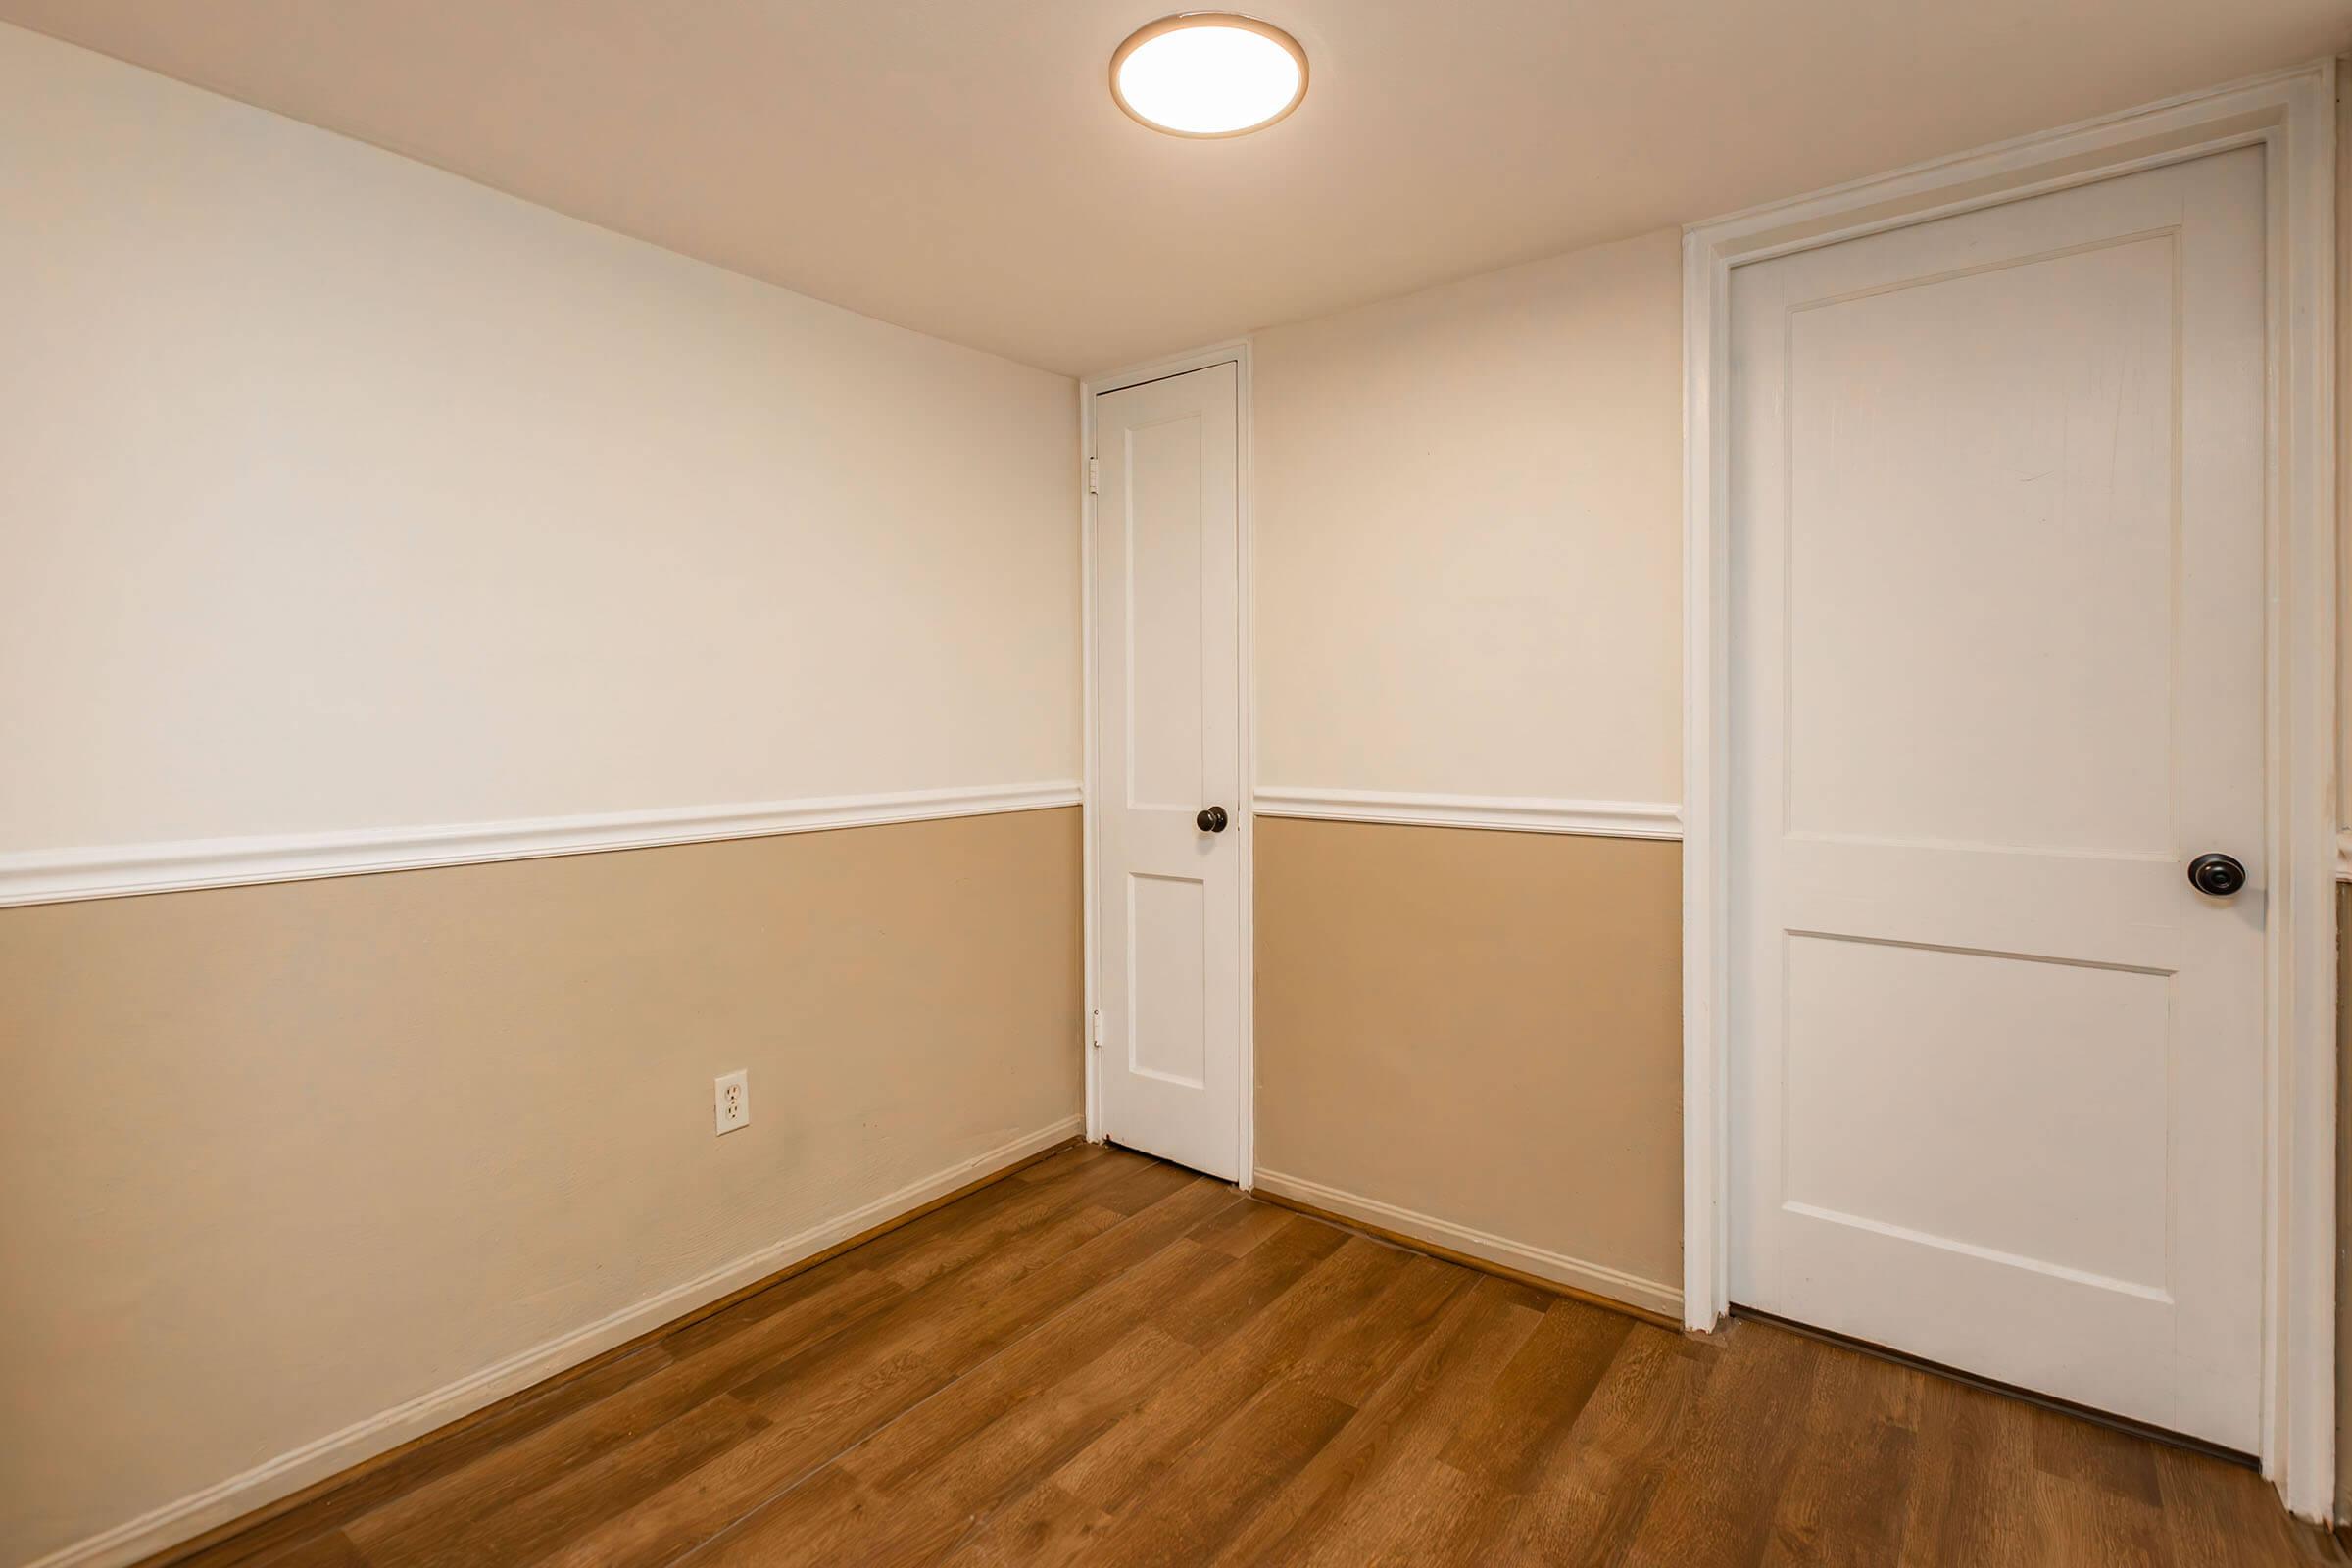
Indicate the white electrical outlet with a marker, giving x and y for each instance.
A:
(732, 1095)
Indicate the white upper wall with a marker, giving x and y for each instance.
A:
(337, 492)
(1468, 536)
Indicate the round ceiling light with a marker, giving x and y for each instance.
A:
(1209, 74)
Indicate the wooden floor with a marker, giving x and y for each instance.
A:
(1109, 1360)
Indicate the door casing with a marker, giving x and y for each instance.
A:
(2291, 115)
(1235, 353)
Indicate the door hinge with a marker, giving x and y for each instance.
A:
(1093, 1028)
(1093, 476)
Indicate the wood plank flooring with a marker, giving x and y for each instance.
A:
(1110, 1360)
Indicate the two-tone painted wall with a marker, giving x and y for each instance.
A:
(1468, 582)
(352, 514)
(348, 509)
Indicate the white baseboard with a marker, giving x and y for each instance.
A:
(1558, 1267)
(297, 1468)
(1511, 813)
(115, 870)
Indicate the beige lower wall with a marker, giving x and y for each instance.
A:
(1483, 1028)
(274, 1159)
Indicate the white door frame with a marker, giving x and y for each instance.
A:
(1235, 352)
(2291, 114)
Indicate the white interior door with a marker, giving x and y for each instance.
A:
(1997, 677)
(1168, 673)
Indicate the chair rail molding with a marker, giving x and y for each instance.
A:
(1513, 813)
(54, 876)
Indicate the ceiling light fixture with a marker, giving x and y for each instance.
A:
(1207, 73)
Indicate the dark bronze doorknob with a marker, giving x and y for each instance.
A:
(2217, 875)
(1211, 821)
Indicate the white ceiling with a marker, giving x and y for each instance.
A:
(958, 166)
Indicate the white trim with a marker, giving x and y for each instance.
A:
(1511, 813)
(297, 1468)
(2299, 1419)
(2343, 857)
(1706, 753)
(2291, 114)
(51, 877)
(1090, 1035)
(1616, 1284)
(1245, 830)
(2171, 131)
(1234, 352)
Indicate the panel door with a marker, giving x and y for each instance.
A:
(1167, 597)
(1997, 602)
